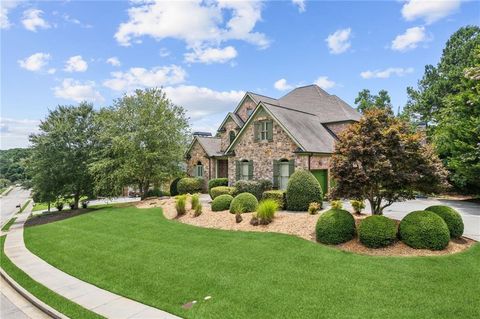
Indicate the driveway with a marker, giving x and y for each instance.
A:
(9, 202)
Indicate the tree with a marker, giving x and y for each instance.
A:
(366, 101)
(382, 160)
(12, 164)
(61, 153)
(142, 140)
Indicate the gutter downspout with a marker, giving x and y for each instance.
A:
(309, 156)
(209, 168)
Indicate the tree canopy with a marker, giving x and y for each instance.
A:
(12, 164)
(366, 101)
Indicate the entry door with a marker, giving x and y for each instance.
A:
(322, 176)
(222, 170)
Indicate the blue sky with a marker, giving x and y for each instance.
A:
(206, 54)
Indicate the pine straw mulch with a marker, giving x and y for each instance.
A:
(293, 223)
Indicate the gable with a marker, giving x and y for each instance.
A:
(247, 105)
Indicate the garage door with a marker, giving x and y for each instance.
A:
(322, 176)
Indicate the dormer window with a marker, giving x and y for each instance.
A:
(231, 136)
(249, 112)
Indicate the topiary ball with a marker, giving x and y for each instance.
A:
(377, 231)
(243, 203)
(335, 226)
(451, 217)
(424, 229)
(221, 190)
(222, 202)
(302, 189)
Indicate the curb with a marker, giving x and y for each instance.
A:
(31, 298)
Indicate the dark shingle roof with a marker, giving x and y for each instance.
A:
(211, 145)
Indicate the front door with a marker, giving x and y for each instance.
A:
(222, 168)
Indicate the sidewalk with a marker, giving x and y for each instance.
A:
(90, 297)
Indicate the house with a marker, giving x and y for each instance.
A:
(267, 138)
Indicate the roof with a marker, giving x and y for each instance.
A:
(211, 145)
(234, 117)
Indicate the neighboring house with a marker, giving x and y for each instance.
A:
(267, 138)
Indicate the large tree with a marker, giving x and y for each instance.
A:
(366, 101)
(142, 140)
(382, 160)
(61, 153)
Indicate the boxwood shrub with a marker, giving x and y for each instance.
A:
(335, 226)
(190, 185)
(243, 203)
(215, 182)
(222, 202)
(220, 190)
(276, 195)
(451, 217)
(377, 231)
(173, 187)
(424, 229)
(302, 189)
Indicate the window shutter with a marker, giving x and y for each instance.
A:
(276, 173)
(256, 131)
(291, 166)
(237, 170)
(270, 130)
(250, 170)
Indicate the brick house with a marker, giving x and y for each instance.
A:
(267, 138)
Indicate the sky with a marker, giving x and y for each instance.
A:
(207, 54)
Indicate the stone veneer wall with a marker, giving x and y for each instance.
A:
(336, 128)
(230, 125)
(197, 153)
(248, 103)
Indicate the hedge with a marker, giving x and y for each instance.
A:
(302, 189)
(220, 190)
(255, 188)
(222, 202)
(335, 226)
(424, 229)
(243, 203)
(451, 217)
(190, 185)
(377, 231)
(276, 195)
(215, 182)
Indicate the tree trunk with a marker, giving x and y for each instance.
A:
(76, 200)
(375, 207)
(146, 186)
(49, 206)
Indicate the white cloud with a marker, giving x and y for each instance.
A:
(429, 10)
(385, 74)
(32, 20)
(35, 62)
(325, 83)
(5, 9)
(77, 91)
(211, 55)
(338, 42)
(142, 78)
(51, 71)
(300, 4)
(70, 19)
(409, 40)
(15, 132)
(199, 23)
(164, 52)
(282, 85)
(114, 61)
(76, 64)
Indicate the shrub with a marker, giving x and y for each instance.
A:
(173, 187)
(243, 203)
(190, 185)
(335, 226)
(357, 206)
(451, 217)
(424, 229)
(215, 182)
(84, 204)
(195, 200)
(265, 185)
(180, 205)
(377, 231)
(166, 193)
(221, 202)
(72, 205)
(252, 187)
(276, 195)
(197, 210)
(336, 204)
(314, 207)
(221, 190)
(302, 189)
(155, 192)
(266, 211)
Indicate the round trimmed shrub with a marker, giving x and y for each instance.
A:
(335, 226)
(451, 217)
(215, 182)
(190, 185)
(221, 190)
(222, 202)
(423, 229)
(276, 195)
(377, 231)
(302, 189)
(173, 187)
(243, 203)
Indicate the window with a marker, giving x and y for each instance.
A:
(284, 174)
(244, 170)
(249, 111)
(199, 169)
(282, 169)
(263, 130)
(231, 136)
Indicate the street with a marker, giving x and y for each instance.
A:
(9, 202)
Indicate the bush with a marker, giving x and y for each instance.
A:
(335, 226)
(424, 229)
(357, 206)
(243, 203)
(194, 200)
(265, 185)
(377, 231)
(59, 205)
(221, 190)
(252, 187)
(180, 205)
(314, 207)
(276, 195)
(155, 192)
(72, 205)
(451, 217)
(166, 193)
(173, 187)
(84, 204)
(302, 189)
(190, 185)
(266, 211)
(215, 182)
(336, 204)
(222, 202)
(197, 210)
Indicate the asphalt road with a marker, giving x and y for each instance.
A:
(9, 202)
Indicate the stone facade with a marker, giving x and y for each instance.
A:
(229, 125)
(338, 127)
(197, 154)
(247, 105)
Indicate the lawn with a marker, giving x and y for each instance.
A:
(141, 255)
(41, 206)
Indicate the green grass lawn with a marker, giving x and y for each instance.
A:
(9, 224)
(141, 255)
(41, 206)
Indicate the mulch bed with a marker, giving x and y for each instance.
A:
(51, 217)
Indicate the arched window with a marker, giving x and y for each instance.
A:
(282, 169)
(199, 169)
(231, 136)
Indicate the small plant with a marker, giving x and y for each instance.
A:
(59, 204)
(180, 205)
(266, 211)
(197, 210)
(336, 204)
(72, 205)
(195, 200)
(357, 206)
(314, 207)
(254, 220)
(238, 218)
(84, 204)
